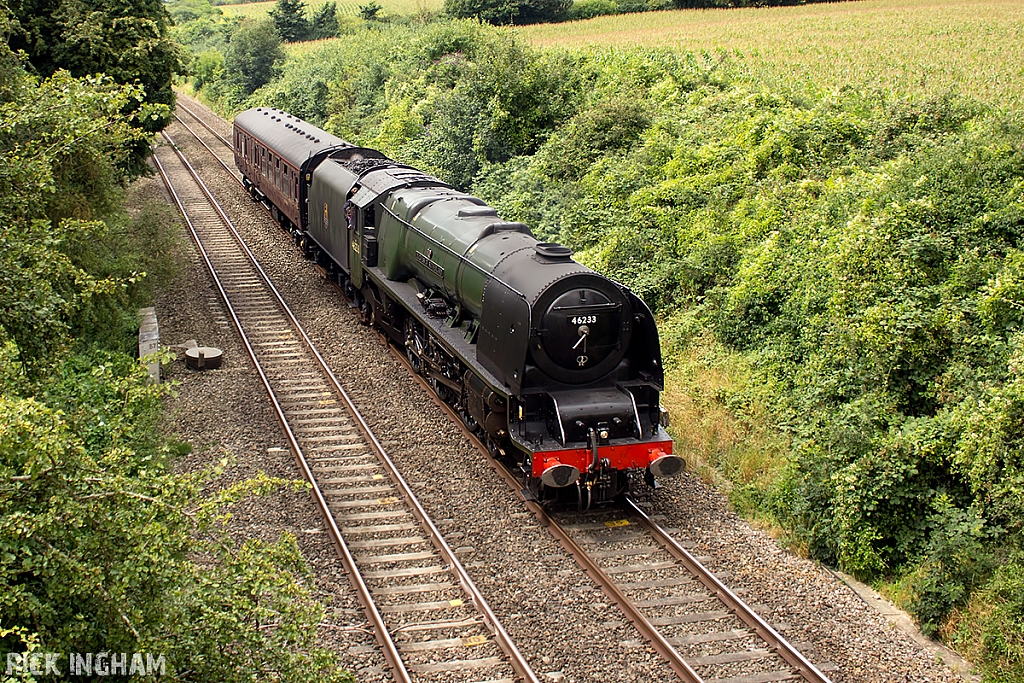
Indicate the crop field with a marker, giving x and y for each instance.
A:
(390, 7)
(249, 9)
(928, 47)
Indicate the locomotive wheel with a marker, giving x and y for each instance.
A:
(410, 346)
(442, 391)
(414, 360)
(366, 314)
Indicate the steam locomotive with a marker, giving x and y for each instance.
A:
(555, 367)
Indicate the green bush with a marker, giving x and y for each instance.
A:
(588, 9)
(103, 549)
(454, 98)
(956, 562)
(207, 67)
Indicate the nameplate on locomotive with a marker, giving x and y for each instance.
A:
(430, 265)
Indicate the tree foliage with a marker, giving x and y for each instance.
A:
(370, 11)
(290, 20)
(324, 23)
(64, 146)
(508, 11)
(103, 548)
(127, 42)
(254, 49)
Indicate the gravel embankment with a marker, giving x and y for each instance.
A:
(561, 622)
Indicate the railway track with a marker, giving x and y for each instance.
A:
(194, 116)
(681, 607)
(705, 631)
(211, 140)
(428, 617)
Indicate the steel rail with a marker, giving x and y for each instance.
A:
(733, 603)
(391, 653)
(231, 172)
(631, 612)
(504, 641)
(224, 140)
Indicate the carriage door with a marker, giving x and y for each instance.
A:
(363, 238)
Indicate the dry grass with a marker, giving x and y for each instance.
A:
(730, 447)
(714, 437)
(927, 47)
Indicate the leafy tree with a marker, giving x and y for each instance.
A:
(588, 9)
(183, 11)
(541, 11)
(370, 11)
(508, 11)
(102, 546)
(325, 22)
(199, 26)
(127, 41)
(64, 145)
(207, 67)
(254, 49)
(290, 20)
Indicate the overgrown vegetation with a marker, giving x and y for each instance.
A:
(129, 43)
(103, 548)
(837, 273)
